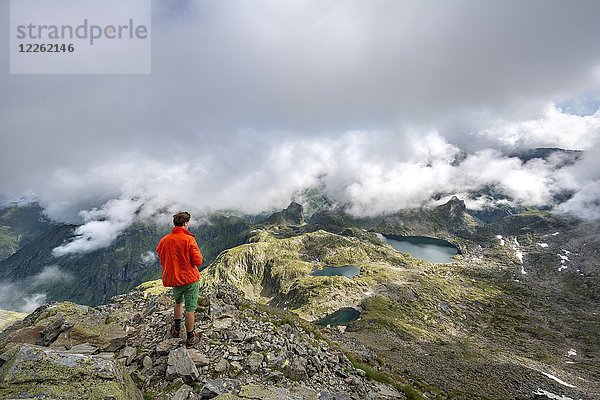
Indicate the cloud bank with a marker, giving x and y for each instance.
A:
(384, 104)
(27, 295)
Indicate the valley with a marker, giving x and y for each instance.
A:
(513, 314)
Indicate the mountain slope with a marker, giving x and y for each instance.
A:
(91, 278)
(123, 349)
(500, 322)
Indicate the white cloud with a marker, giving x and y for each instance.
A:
(25, 295)
(554, 128)
(149, 257)
(101, 226)
(372, 100)
(51, 274)
(30, 303)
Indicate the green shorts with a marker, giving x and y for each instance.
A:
(189, 293)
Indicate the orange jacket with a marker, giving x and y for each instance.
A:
(179, 257)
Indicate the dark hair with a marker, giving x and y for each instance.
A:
(181, 217)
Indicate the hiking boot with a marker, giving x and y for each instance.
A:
(193, 340)
(175, 332)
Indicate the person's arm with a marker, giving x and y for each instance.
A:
(195, 255)
(159, 249)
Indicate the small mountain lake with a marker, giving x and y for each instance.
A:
(343, 316)
(349, 271)
(422, 247)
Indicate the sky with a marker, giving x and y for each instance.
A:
(382, 105)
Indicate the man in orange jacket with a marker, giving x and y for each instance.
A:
(180, 258)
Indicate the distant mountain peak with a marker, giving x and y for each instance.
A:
(293, 214)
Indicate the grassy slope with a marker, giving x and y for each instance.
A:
(480, 329)
(7, 318)
(473, 329)
(276, 270)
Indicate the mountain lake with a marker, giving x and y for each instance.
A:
(422, 247)
(343, 316)
(349, 271)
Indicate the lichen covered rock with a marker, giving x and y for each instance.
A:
(32, 371)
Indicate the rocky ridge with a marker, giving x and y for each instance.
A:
(123, 350)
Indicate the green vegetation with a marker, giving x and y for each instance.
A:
(277, 270)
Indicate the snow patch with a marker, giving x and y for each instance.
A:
(563, 260)
(519, 254)
(572, 352)
(499, 237)
(554, 378)
(555, 233)
(544, 245)
(551, 395)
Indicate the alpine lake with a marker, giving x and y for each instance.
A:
(422, 247)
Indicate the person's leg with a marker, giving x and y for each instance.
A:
(178, 294)
(191, 303)
(189, 321)
(177, 314)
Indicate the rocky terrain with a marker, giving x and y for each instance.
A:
(515, 315)
(122, 350)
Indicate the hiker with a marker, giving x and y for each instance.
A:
(180, 258)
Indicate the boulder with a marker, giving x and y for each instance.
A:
(182, 393)
(216, 388)
(164, 347)
(254, 360)
(198, 358)
(32, 371)
(223, 324)
(222, 365)
(83, 348)
(295, 369)
(180, 365)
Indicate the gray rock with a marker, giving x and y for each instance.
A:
(164, 347)
(387, 392)
(182, 393)
(254, 360)
(275, 376)
(118, 340)
(218, 311)
(198, 358)
(273, 360)
(216, 387)
(306, 393)
(237, 336)
(180, 365)
(97, 377)
(52, 331)
(223, 324)
(84, 348)
(334, 396)
(295, 369)
(235, 367)
(222, 365)
(128, 353)
(147, 362)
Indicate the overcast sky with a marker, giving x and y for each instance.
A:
(250, 102)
